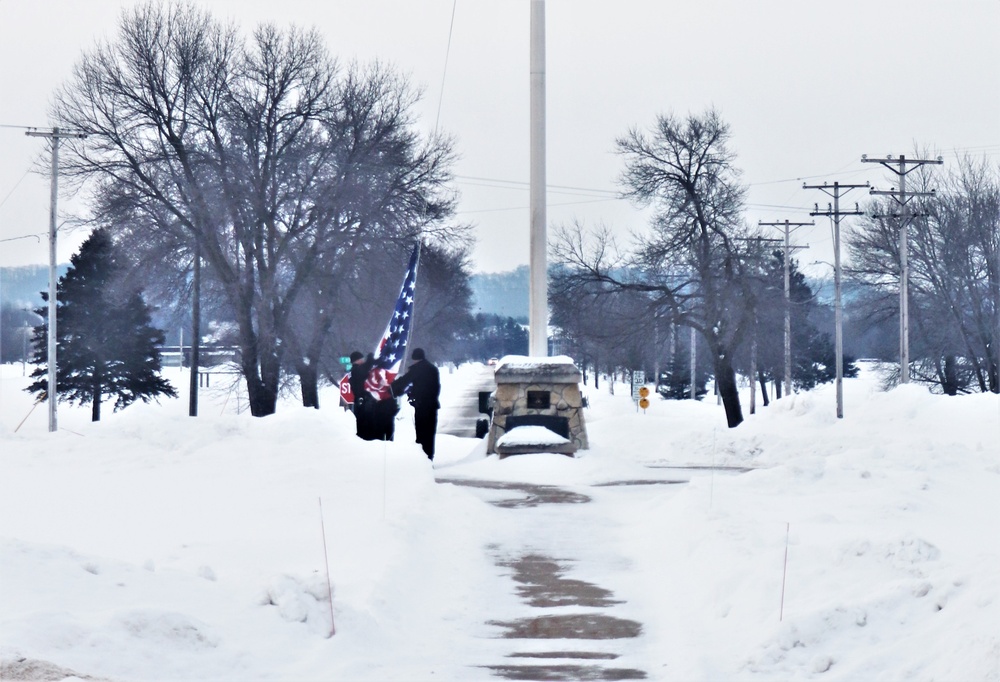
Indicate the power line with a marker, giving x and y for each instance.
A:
(16, 185)
(525, 208)
(444, 73)
(523, 184)
(603, 197)
(784, 207)
(518, 184)
(804, 177)
(23, 236)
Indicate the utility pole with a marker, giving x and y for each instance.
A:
(902, 197)
(836, 191)
(538, 322)
(693, 389)
(55, 134)
(788, 293)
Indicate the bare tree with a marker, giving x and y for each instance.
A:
(693, 264)
(254, 152)
(384, 188)
(603, 325)
(443, 310)
(953, 269)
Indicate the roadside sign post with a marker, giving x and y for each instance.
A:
(346, 395)
(639, 391)
(643, 398)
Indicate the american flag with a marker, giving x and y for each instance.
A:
(392, 348)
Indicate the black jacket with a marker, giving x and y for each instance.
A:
(424, 384)
(359, 373)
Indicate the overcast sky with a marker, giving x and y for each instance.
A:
(807, 87)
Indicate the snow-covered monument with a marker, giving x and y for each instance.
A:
(538, 407)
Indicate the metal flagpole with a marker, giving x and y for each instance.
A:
(413, 314)
(538, 322)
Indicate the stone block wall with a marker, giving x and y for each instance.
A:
(561, 379)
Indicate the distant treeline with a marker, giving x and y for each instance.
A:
(501, 293)
(20, 286)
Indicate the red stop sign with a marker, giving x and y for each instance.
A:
(345, 390)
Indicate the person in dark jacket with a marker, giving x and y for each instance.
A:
(423, 383)
(364, 403)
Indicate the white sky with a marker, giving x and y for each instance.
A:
(807, 87)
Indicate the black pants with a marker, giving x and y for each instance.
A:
(425, 423)
(384, 419)
(364, 413)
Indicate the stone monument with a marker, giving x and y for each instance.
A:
(537, 407)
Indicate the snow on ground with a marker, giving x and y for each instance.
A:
(154, 546)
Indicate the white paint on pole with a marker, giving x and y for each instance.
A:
(538, 285)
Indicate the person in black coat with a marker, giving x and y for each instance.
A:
(423, 382)
(364, 403)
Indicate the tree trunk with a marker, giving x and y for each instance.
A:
(259, 364)
(95, 404)
(262, 383)
(308, 382)
(95, 399)
(950, 377)
(725, 377)
(270, 374)
(994, 366)
(763, 387)
(777, 389)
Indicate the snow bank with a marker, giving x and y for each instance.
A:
(158, 547)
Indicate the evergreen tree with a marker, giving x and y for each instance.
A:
(106, 345)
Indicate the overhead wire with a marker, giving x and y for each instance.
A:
(612, 195)
(16, 185)
(444, 74)
(523, 184)
(525, 208)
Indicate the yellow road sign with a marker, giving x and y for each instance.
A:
(643, 403)
(644, 392)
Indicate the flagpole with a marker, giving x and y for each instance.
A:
(413, 315)
(538, 308)
(391, 352)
